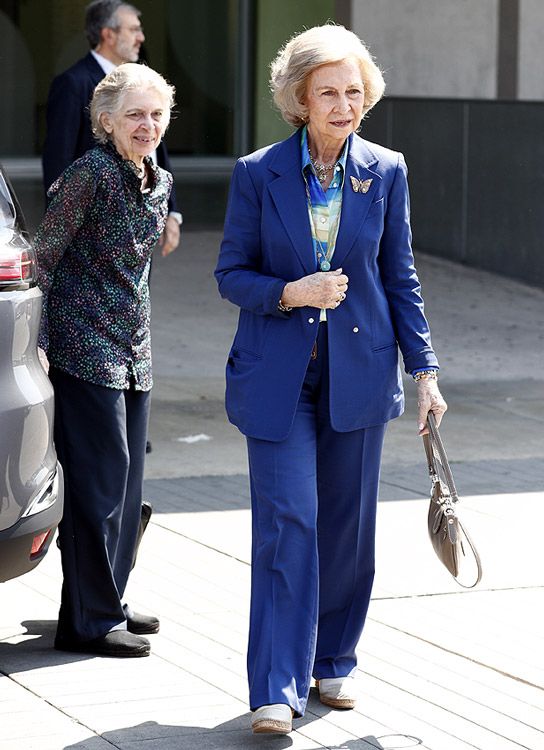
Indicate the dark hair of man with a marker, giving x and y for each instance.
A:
(101, 14)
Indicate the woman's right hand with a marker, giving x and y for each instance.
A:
(323, 289)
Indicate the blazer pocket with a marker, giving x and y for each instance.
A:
(384, 348)
(376, 207)
(240, 355)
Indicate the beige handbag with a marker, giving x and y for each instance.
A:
(451, 542)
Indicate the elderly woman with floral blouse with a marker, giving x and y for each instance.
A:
(106, 212)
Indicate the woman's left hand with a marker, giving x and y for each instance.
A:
(429, 399)
(42, 356)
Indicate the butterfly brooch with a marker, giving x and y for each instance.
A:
(360, 186)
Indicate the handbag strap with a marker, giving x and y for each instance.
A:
(477, 560)
(434, 448)
(436, 454)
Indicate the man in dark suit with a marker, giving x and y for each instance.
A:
(115, 35)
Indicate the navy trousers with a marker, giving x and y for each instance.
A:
(314, 498)
(100, 436)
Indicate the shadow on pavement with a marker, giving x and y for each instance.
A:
(235, 734)
(230, 735)
(36, 649)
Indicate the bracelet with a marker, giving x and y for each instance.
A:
(426, 375)
(283, 308)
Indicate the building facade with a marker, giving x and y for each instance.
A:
(464, 102)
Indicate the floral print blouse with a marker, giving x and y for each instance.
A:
(94, 248)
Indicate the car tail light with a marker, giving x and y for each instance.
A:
(38, 543)
(17, 267)
(46, 497)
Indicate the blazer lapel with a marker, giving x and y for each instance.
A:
(356, 203)
(95, 71)
(289, 195)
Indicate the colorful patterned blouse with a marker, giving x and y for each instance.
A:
(324, 206)
(94, 247)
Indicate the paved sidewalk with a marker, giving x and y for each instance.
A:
(440, 668)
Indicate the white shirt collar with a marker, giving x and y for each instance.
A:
(106, 65)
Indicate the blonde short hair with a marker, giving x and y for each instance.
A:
(109, 94)
(303, 53)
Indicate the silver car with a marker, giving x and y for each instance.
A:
(31, 487)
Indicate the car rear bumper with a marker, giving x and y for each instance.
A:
(16, 556)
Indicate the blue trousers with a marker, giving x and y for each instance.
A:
(100, 437)
(314, 498)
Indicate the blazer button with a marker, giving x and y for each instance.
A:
(310, 320)
(355, 330)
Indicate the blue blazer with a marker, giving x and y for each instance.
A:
(268, 242)
(69, 133)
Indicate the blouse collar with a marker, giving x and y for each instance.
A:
(129, 166)
(305, 152)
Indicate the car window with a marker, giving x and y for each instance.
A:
(7, 208)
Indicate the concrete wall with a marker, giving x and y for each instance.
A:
(465, 81)
(451, 48)
(531, 50)
(430, 48)
(475, 198)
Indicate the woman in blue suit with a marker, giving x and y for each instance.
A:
(317, 256)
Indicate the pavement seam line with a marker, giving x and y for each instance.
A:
(456, 593)
(57, 708)
(202, 544)
(439, 705)
(461, 656)
(451, 690)
(374, 598)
